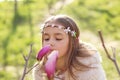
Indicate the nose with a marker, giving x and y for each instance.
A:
(51, 46)
(51, 43)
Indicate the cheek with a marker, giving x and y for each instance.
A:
(63, 49)
(44, 43)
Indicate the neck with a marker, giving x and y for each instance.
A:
(60, 64)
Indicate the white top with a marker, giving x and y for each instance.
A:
(96, 73)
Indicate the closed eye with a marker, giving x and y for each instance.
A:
(58, 39)
(47, 39)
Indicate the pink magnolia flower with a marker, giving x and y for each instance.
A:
(42, 52)
(51, 63)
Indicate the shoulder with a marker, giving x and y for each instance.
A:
(88, 46)
(38, 72)
(94, 61)
(94, 57)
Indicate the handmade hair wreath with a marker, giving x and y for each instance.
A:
(66, 30)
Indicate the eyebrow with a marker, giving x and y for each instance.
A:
(45, 33)
(54, 34)
(58, 34)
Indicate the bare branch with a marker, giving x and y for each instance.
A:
(102, 40)
(26, 58)
(32, 68)
(114, 52)
(108, 55)
(115, 62)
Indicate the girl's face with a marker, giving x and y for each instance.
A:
(57, 39)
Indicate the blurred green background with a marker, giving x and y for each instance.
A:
(20, 26)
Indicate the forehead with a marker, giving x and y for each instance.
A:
(53, 30)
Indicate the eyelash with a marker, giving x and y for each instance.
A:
(58, 39)
(47, 39)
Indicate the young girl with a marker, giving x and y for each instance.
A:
(76, 60)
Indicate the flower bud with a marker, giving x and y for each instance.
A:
(42, 52)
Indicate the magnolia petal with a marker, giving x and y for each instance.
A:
(51, 64)
(42, 52)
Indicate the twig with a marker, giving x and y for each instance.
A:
(26, 58)
(102, 40)
(108, 55)
(115, 62)
(32, 68)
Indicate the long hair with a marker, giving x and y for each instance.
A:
(75, 48)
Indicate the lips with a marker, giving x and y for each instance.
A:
(51, 63)
(43, 52)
